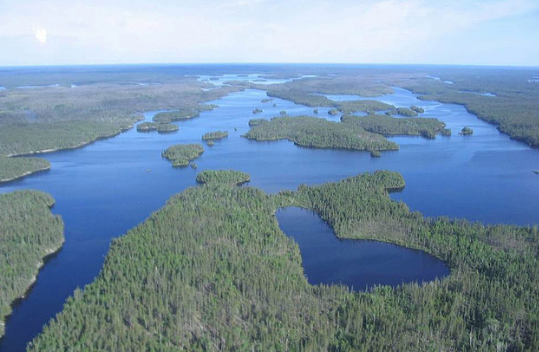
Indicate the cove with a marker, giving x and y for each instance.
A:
(358, 264)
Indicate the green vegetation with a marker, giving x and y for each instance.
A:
(256, 122)
(376, 153)
(229, 177)
(466, 131)
(167, 128)
(417, 109)
(446, 132)
(13, 168)
(182, 154)
(333, 112)
(215, 135)
(54, 118)
(406, 112)
(319, 133)
(170, 116)
(230, 280)
(257, 111)
(387, 125)
(147, 126)
(210, 143)
(28, 233)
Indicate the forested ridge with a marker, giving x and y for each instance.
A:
(28, 232)
(212, 271)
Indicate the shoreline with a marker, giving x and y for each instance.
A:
(27, 173)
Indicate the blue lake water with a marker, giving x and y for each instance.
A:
(358, 264)
(104, 189)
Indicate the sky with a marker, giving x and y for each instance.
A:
(464, 32)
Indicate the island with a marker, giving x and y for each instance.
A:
(466, 131)
(317, 132)
(231, 177)
(214, 135)
(181, 154)
(391, 126)
(257, 111)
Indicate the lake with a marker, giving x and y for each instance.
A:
(104, 189)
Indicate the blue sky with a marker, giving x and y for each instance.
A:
(55, 32)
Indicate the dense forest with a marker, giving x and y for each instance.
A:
(387, 125)
(13, 168)
(182, 154)
(229, 177)
(318, 133)
(212, 271)
(28, 232)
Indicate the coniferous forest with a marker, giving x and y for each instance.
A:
(212, 271)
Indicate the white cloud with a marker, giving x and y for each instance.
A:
(41, 34)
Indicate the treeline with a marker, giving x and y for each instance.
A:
(318, 133)
(13, 168)
(28, 232)
(182, 154)
(212, 271)
(387, 125)
(229, 177)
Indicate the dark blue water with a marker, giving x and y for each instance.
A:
(358, 264)
(104, 189)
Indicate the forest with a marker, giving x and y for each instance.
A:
(28, 233)
(13, 168)
(182, 154)
(316, 132)
(212, 271)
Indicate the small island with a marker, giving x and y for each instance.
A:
(210, 143)
(267, 100)
(229, 177)
(282, 112)
(257, 111)
(178, 115)
(417, 109)
(147, 126)
(466, 131)
(406, 112)
(333, 112)
(536, 172)
(214, 135)
(181, 154)
(167, 128)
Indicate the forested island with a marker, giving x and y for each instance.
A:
(229, 177)
(28, 233)
(387, 125)
(318, 133)
(159, 127)
(182, 154)
(178, 280)
(214, 135)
